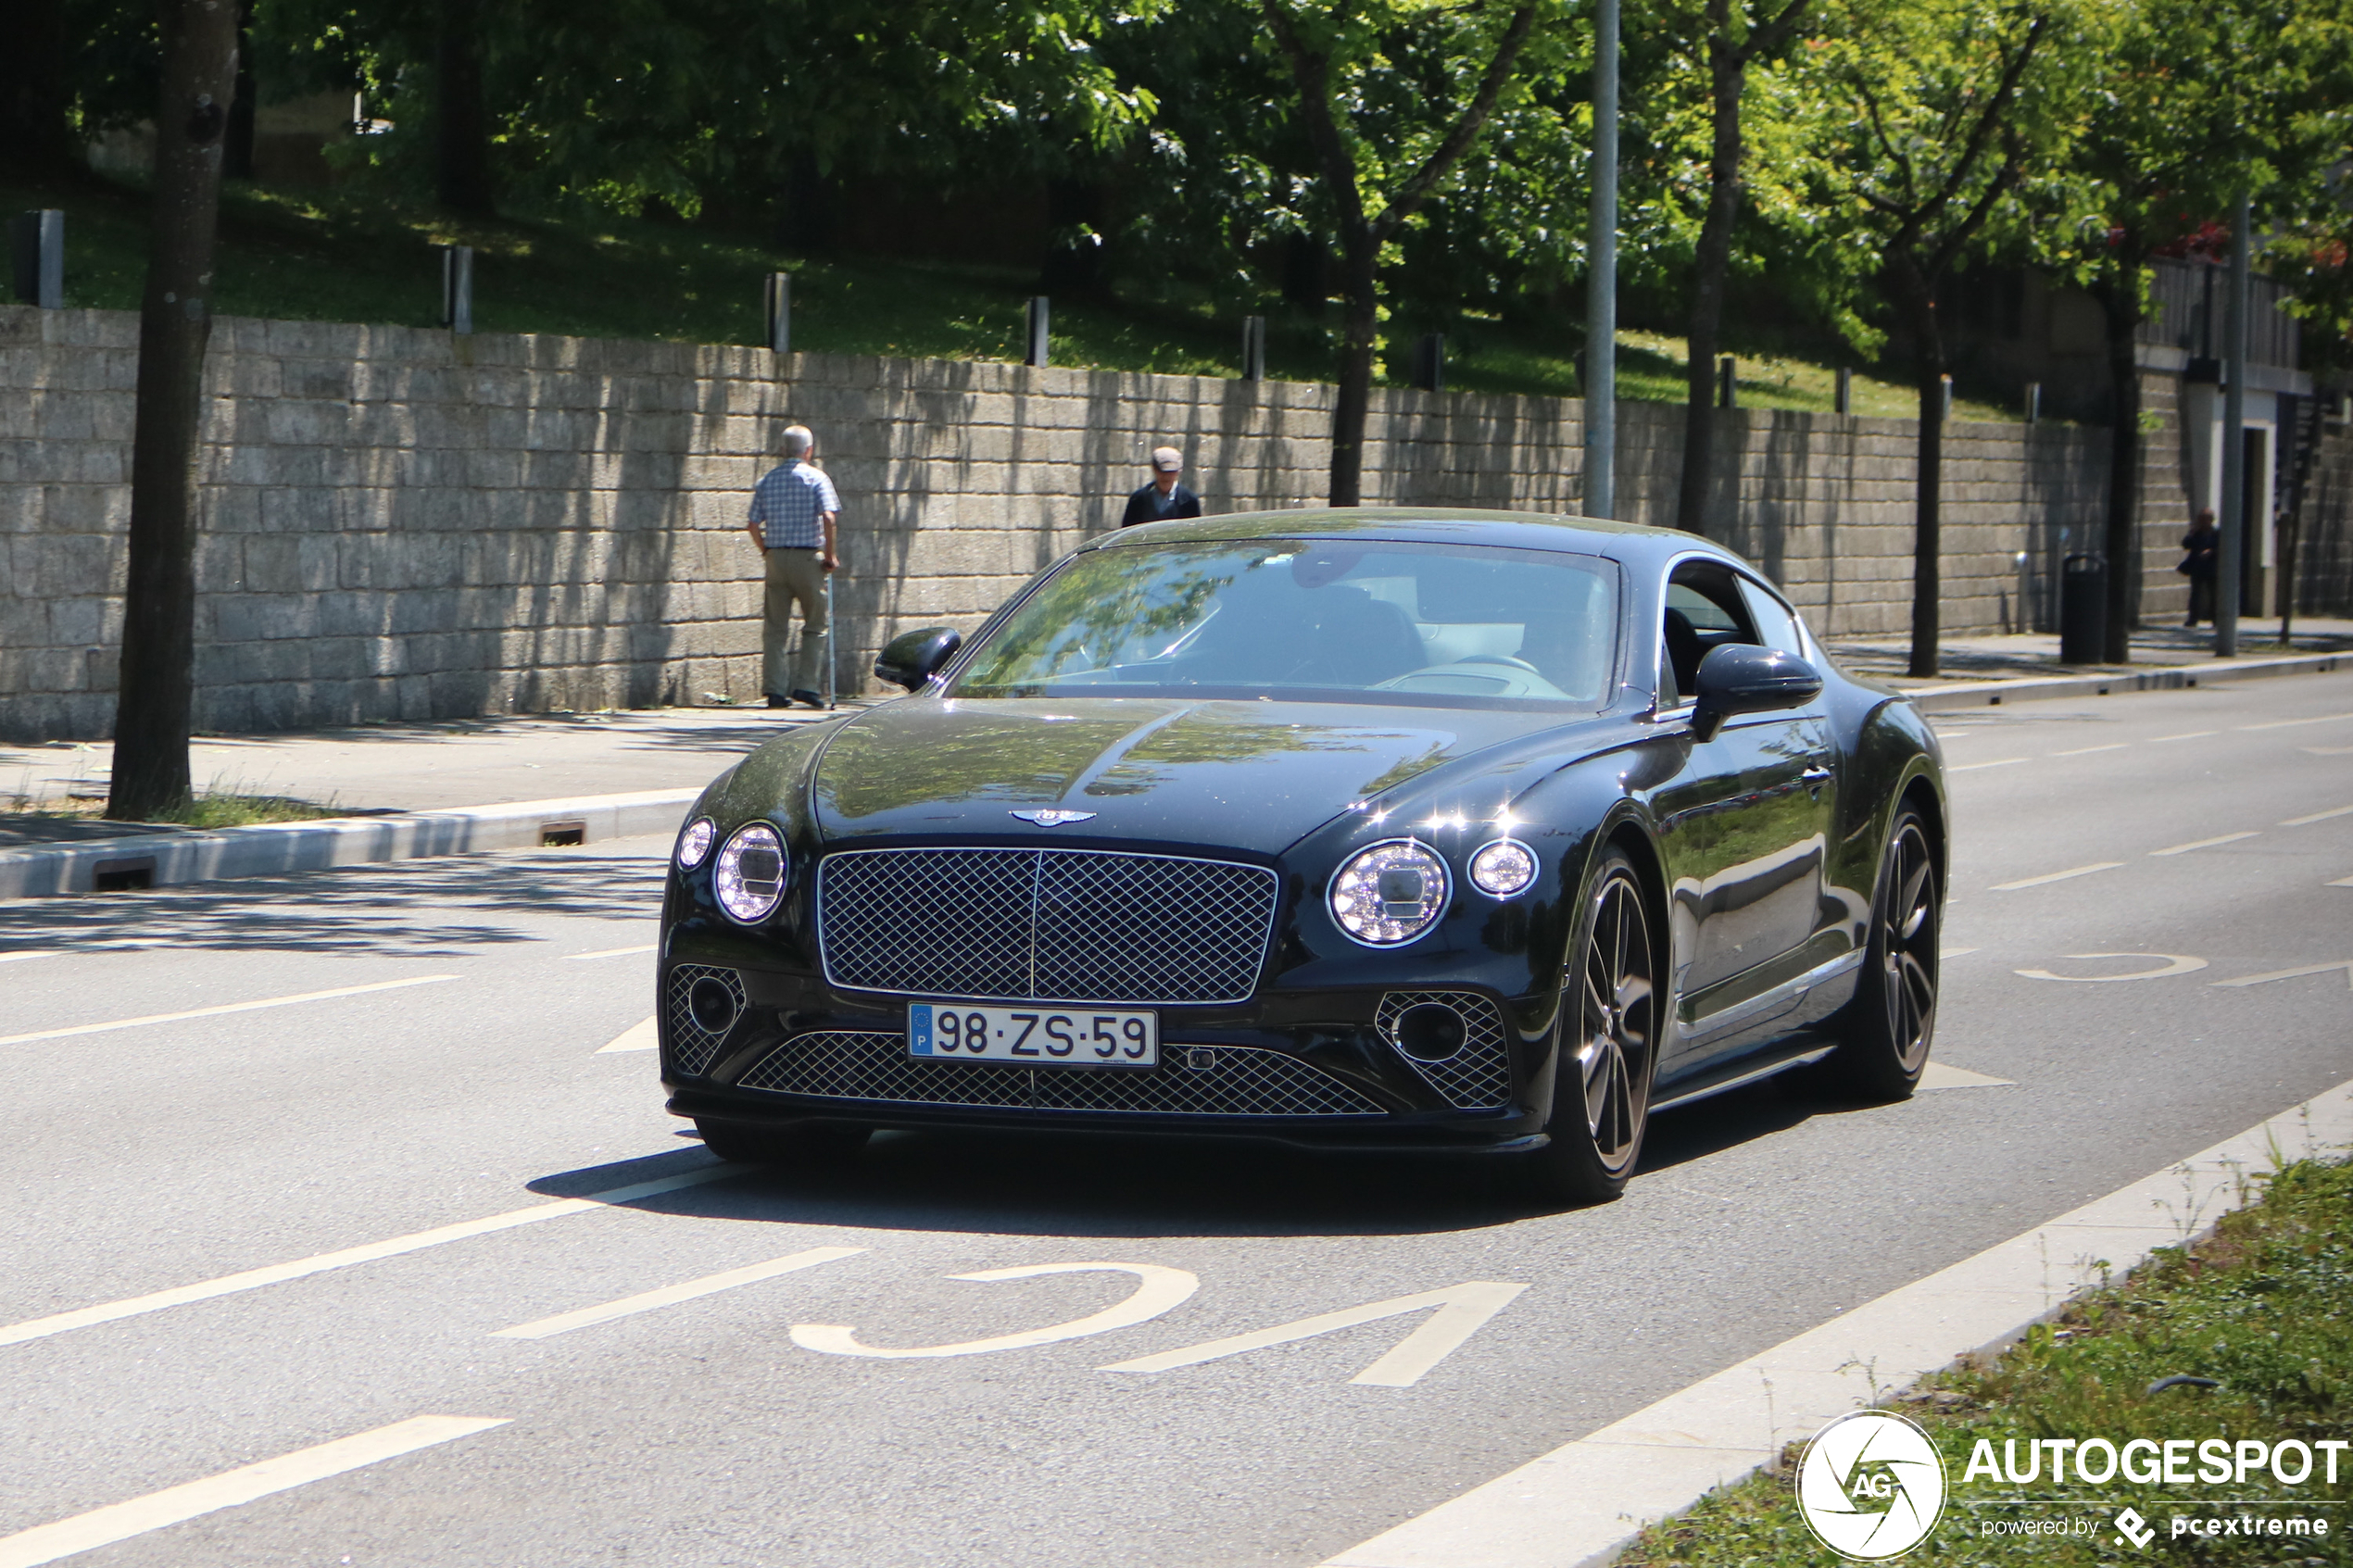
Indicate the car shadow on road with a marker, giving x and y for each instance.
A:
(443, 907)
(1131, 1187)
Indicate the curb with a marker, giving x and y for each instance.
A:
(149, 859)
(1965, 695)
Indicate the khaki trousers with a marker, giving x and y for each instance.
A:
(793, 577)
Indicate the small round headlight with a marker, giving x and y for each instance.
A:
(1502, 869)
(1388, 894)
(749, 877)
(695, 842)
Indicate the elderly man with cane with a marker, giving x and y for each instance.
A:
(793, 512)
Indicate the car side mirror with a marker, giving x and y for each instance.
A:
(1744, 677)
(912, 658)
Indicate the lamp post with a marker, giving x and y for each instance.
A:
(2227, 562)
(1601, 275)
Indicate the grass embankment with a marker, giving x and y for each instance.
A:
(2263, 1305)
(332, 254)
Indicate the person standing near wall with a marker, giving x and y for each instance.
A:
(1163, 497)
(794, 509)
(2198, 547)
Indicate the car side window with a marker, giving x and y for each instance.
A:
(1704, 611)
(1776, 624)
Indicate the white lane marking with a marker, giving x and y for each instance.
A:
(1972, 767)
(1159, 1290)
(224, 1007)
(670, 1295)
(1954, 952)
(614, 952)
(2345, 964)
(2319, 817)
(2088, 750)
(2343, 882)
(2203, 844)
(2185, 735)
(1582, 1502)
(35, 953)
(173, 1505)
(2056, 876)
(2326, 751)
(2175, 963)
(2291, 724)
(1944, 1075)
(1462, 1311)
(416, 1241)
(643, 1037)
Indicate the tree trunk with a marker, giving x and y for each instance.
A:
(1361, 281)
(175, 318)
(35, 90)
(2123, 457)
(1919, 300)
(461, 129)
(237, 152)
(1710, 265)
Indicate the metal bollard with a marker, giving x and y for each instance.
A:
(778, 308)
(829, 642)
(458, 288)
(37, 246)
(1253, 348)
(1040, 314)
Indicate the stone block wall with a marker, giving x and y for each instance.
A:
(398, 523)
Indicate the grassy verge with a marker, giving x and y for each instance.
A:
(332, 255)
(2263, 1305)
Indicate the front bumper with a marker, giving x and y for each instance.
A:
(1320, 1068)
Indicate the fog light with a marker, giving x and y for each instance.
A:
(712, 1004)
(1430, 1032)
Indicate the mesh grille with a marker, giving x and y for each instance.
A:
(1477, 1077)
(692, 1046)
(1193, 1081)
(1044, 925)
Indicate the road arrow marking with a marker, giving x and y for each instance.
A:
(1161, 1289)
(2175, 963)
(1944, 1075)
(636, 1038)
(670, 1295)
(1462, 1311)
(2345, 964)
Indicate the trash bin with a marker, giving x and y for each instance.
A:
(2083, 610)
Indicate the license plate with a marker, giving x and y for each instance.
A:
(1036, 1036)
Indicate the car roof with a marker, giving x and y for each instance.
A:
(1628, 542)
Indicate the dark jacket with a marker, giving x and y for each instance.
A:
(1143, 505)
(2199, 545)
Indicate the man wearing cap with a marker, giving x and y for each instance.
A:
(1163, 497)
(793, 512)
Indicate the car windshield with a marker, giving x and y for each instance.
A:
(1312, 619)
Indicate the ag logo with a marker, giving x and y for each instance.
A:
(1872, 1486)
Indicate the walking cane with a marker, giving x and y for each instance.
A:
(829, 640)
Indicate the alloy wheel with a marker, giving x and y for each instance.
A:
(1618, 1023)
(1907, 945)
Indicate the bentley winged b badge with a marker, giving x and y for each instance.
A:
(1053, 817)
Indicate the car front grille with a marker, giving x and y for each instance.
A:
(1044, 925)
(1477, 1077)
(1190, 1081)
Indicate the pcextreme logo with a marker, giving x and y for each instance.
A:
(1872, 1486)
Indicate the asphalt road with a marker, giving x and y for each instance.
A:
(698, 1431)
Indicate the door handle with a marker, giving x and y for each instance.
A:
(1814, 779)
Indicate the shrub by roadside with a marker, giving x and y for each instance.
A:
(2263, 1306)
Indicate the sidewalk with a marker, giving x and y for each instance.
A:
(2035, 654)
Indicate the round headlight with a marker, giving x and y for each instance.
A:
(695, 842)
(749, 877)
(1389, 894)
(1503, 868)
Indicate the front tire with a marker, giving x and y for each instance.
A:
(1885, 1032)
(1609, 1027)
(812, 1147)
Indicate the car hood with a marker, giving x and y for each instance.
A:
(1256, 776)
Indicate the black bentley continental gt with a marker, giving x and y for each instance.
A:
(1377, 829)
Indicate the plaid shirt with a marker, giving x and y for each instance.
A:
(787, 503)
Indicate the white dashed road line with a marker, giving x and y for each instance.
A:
(670, 1295)
(224, 1007)
(2088, 750)
(36, 953)
(104, 1527)
(2291, 724)
(2291, 822)
(2185, 735)
(253, 1279)
(2203, 844)
(2002, 762)
(614, 952)
(1943, 1075)
(643, 1037)
(2056, 876)
(1943, 953)
(1585, 1500)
